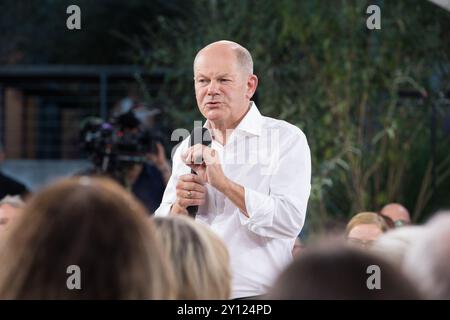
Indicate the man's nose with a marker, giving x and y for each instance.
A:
(213, 88)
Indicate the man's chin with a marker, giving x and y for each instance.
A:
(214, 115)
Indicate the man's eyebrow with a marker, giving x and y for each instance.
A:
(223, 75)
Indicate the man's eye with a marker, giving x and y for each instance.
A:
(202, 81)
(224, 80)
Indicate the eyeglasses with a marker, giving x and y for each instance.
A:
(400, 223)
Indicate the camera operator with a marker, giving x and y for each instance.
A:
(155, 154)
(148, 179)
(136, 158)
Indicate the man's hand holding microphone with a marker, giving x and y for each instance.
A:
(205, 168)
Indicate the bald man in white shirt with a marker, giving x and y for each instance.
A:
(253, 186)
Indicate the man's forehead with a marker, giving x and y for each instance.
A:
(215, 65)
(215, 54)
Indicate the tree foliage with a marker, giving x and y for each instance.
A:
(362, 97)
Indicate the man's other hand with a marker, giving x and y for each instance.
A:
(190, 192)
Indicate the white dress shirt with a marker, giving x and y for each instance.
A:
(271, 159)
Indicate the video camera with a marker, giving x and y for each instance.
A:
(115, 147)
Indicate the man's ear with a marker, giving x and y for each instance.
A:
(252, 84)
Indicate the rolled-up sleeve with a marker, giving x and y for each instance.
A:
(281, 213)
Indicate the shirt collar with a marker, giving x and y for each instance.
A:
(251, 123)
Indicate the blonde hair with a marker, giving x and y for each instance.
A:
(367, 218)
(92, 223)
(199, 257)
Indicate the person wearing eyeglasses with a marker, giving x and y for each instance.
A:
(398, 213)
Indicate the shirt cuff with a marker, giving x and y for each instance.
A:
(259, 209)
(163, 210)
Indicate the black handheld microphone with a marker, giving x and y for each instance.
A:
(199, 135)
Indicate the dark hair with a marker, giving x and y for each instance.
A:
(340, 272)
(128, 121)
(91, 223)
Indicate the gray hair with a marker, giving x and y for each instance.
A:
(243, 56)
(14, 201)
(394, 244)
(428, 261)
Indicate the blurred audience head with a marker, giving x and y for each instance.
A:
(397, 213)
(394, 244)
(10, 209)
(341, 272)
(199, 257)
(87, 224)
(365, 227)
(428, 260)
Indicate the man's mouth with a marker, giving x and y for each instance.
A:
(212, 104)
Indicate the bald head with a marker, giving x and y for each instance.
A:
(396, 212)
(243, 56)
